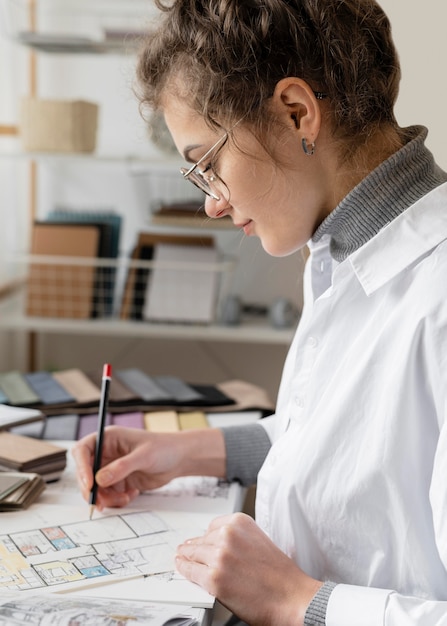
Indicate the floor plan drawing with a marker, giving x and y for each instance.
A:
(60, 610)
(80, 553)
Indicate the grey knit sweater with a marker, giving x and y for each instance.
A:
(396, 184)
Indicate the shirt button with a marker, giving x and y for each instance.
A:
(312, 342)
(299, 401)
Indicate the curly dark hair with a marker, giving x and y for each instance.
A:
(230, 54)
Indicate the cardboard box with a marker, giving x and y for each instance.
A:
(58, 125)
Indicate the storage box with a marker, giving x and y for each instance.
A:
(58, 125)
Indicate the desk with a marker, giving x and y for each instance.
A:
(178, 506)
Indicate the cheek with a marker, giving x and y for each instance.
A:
(251, 186)
(283, 220)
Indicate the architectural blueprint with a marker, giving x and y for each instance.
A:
(54, 610)
(60, 557)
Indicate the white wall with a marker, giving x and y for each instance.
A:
(419, 34)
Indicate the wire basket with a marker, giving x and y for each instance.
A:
(160, 290)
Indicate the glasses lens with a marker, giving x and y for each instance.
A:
(199, 180)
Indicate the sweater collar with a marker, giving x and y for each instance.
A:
(382, 195)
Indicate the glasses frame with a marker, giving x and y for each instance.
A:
(199, 179)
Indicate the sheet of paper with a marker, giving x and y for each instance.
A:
(162, 588)
(186, 505)
(75, 609)
(199, 494)
(67, 555)
(14, 415)
(181, 288)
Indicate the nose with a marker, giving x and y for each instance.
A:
(216, 208)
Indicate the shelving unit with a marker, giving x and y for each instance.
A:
(249, 332)
(96, 34)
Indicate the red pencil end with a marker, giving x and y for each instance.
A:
(107, 371)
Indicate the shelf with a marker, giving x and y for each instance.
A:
(162, 163)
(108, 27)
(65, 44)
(77, 26)
(248, 332)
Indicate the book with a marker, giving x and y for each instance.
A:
(138, 277)
(183, 285)
(89, 424)
(161, 421)
(109, 224)
(61, 289)
(18, 490)
(192, 420)
(25, 454)
(78, 385)
(16, 388)
(181, 392)
(61, 427)
(119, 393)
(34, 429)
(144, 386)
(12, 416)
(48, 389)
(9, 482)
(130, 420)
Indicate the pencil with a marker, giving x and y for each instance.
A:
(106, 378)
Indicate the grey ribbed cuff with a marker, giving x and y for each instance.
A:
(246, 448)
(316, 611)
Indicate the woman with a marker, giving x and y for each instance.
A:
(284, 109)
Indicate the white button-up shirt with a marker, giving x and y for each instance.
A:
(354, 488)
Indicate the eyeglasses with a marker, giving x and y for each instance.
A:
(204, 178)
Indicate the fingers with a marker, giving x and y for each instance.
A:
(209, 560)
(114, 498)
(193, 561)
(83, 454)
(132, 462)
(236, 562)
(197, 573)
(122, 467)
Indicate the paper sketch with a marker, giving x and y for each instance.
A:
(202, 494)
(196, 486)
(81, 553)
(53, 610)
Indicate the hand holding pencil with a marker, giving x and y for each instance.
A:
(115, 465)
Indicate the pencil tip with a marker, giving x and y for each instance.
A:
(92, 508)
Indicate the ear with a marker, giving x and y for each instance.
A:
(296, 104)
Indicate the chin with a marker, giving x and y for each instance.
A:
(276, 249)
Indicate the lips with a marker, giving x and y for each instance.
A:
(247, 227)
(243, 224)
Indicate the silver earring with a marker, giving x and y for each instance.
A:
(308, 148)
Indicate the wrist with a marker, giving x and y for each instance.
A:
(307, 592)
(203, 453)
(298, 595)
(315, 614)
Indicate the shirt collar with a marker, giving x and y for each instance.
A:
(403, 241)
